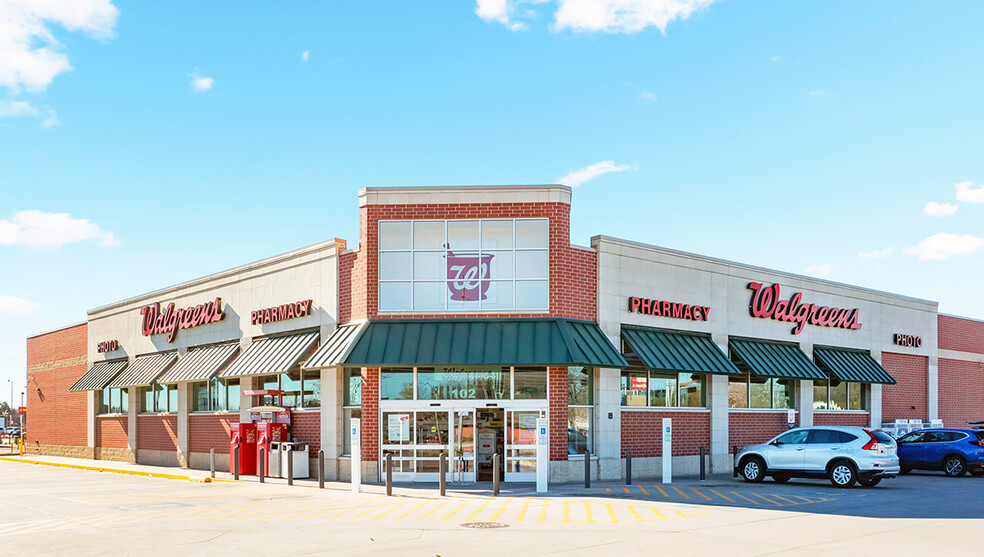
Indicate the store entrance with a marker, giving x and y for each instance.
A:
(491, 441)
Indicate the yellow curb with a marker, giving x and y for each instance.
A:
(118, 471)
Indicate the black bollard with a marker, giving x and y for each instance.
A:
(734, 467)
(702, 453)
(628, 466)
(290, 465)
(389, 474)
(260, 467)
(495, 474)
(321, 469)
(587, 469)
(444, 472)
(235, 462)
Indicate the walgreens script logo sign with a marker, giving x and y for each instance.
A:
(468, 275)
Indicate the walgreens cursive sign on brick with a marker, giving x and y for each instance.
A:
(156, 322)
(765, 304)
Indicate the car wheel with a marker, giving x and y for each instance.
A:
(869, 481)
(843, 474)
(954, 466)
(753, 470)
(780, 478)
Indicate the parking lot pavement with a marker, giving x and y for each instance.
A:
(57, 511)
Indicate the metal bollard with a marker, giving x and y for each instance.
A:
(587, 469)
(321, 469)
(734, 467)
(703, 452)
(444, 472)
(259, 466)
(389, 474)
(495, 474)
(235, 462)
(211, 462)
(290, 465)
(628, 466)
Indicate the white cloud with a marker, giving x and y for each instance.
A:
(821, 270)
(41, 230)
(647, 96)
(580, 176)
(200, 83)
(12, 305)
(305, 55)
(587, 16)
(935, 209)
(876, 254)
(942, 246)
(50, 121)
(13, 109)
(968, 195)
(30, 55)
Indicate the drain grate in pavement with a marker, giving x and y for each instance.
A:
(485, 525)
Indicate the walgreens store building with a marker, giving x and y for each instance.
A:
(463, 317)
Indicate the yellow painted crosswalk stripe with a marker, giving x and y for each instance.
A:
(461, 506)
(587, 512)
(781, 498)
(643, 489)
(352, 508)
(730, 500)
(745, 498)
(764, 498)
(478, 510)
(411, 511)
(611, 513)
(694, 489)
(543, 511)
(434, 510)
(380, 515)
(567, 512)
(369, 510)
(661, 490)
(522, 511)
(499, 512)
(685, 496)
(635, 514)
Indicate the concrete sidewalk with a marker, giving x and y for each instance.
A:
(407, 489)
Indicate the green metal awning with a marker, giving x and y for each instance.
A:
(852, 366)
(426, 342)
(670, 350)
(775, 359)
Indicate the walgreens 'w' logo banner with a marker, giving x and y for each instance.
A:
(468, 275)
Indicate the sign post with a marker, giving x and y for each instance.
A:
(667, 450)
(356, 437)
(542, 454)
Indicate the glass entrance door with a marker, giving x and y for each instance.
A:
(463, 465)
(521, 445)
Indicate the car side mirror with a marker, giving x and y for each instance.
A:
(776, 443)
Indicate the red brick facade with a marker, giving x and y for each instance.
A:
(112, 432)
(961, 392)
(965, 335)
(751, 428)
(305, 427)
(641, 432)
(370, 414)
(210, 431)
(846, 419)
(907, 398)
(557, 389)
(157, 433)
(55, 361)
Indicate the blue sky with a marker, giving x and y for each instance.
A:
(191, 137)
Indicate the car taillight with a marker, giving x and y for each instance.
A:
(979, 442)
(872, 444)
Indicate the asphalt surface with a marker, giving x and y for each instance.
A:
(57, 511)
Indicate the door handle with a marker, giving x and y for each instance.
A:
(835, 448)
(801, 448)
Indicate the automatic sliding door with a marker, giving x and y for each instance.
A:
(521, 445)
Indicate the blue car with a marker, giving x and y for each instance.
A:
(954, 451)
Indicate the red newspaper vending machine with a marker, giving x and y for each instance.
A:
(243, 434)
(267, 433)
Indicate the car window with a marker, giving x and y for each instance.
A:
(794, 437)
(980, 435)
(955, 435)
(935, 437)
(846, 437)
(882, 437)
(915, 437)
(823, 436)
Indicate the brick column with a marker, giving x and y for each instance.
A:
(370, 414)
(557, 397)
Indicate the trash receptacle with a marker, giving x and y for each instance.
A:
(277, 460)
(299, 454)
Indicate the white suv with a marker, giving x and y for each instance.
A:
(842, 454)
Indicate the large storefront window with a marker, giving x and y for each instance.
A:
(301, 389)
(351, 404)
(839, 395)
(463, 265)
(663, 390)
(159, 398)
(580, 411)
(463, 383)
(754, 391)
(216, 395)
(114, 401)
